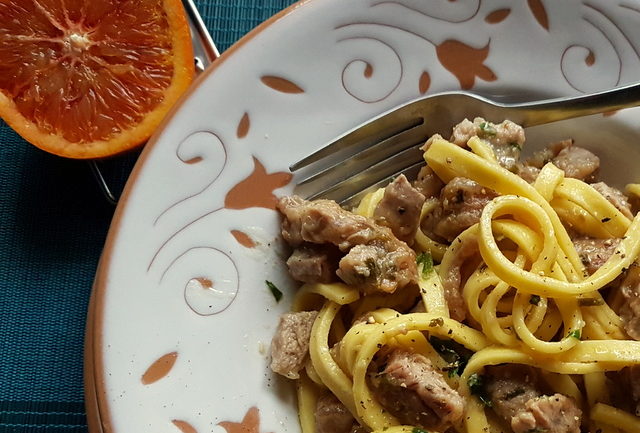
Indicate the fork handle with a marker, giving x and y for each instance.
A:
(553, 110)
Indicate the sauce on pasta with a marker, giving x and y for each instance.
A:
(492, 294)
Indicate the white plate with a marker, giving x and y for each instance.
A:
(164, 352)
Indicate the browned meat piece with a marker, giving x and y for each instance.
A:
(375, 268)
(540, 158)
(332, 416)
(380, 263)
(506, 139)
(428, 183)
(515, 397)
(290, 344)
(416, 393)
(630, 310)
(509, 387)
(615, 197)
(528, 172)
(577, 162)
(400, 209)
(462, 201)
(624, 384)
(550, 414)
(313, 264)
(595, 252)
(634, 383)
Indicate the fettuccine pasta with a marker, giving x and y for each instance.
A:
(491, 295)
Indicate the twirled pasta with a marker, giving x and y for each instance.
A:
(529, 300)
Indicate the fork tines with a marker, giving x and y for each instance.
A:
(366, 157)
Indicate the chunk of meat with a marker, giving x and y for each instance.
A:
(577, 163)
(634, 384)
(332, 416)
(509, 387)
(630, 310)
(290, 344)
(528, 172)
(624, 384)
(375, 268)
(594, 252)
(312, 263)
(550, 414)
(615, 197)
(540, 158)
(416, 393)
(381, 263)
(428, 183)
(400, 209)
(462, 201)
(506, 139)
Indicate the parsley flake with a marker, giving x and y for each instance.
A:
(277, 294)
(477, 388)
(426, 261)
(455, 354)
(575, 334)
(515, 145)
(418, 430)
(534, 300)
(488, 129)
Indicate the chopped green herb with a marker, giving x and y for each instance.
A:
(534, 300)
(455, 354)
(575, 334)
(277, 294)
(418, 430)
(474, 381)
(605, 219)
(488, 129)
(426, 261)
(590, 302)
(515, 145)
(477, 388)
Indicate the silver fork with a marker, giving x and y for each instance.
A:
(373, 153)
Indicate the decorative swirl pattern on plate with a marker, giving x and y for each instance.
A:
(464, 61)
(438, 7)
(586, 68)
(215, 285)
(196, 148)
(357, 74)
(578, 60)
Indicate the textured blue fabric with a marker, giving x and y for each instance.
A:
(53, 223)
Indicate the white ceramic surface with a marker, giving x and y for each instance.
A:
(181, 318)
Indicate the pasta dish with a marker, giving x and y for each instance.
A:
(490, 294)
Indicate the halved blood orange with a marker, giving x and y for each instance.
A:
(91, 78)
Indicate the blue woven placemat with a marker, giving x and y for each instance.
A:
(53, 223)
